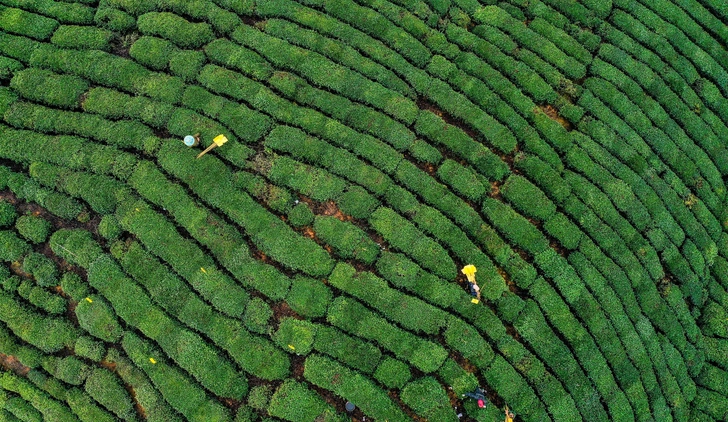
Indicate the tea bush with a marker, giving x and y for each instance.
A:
(7, 214)
(294, 401)
(82, 37)
(49, 88)
(392, 373)
(98, 319)
(308, 297)
(35, 229)
(28, 24)
(175, 28)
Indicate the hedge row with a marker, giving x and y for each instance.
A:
(188, 349)
(46, 333)
(337, 160)
(177, 388)
(86, 408)
(254, 354)
(161, 236)
(49, 88)
(434, 128)
(175, 28)
(499, 18)
(347, 240)
(352, 351)
(293, 401)
(351, 316)
(408, 312)
(268, 232)
(42, 298)
(74, 13)
(428, 398)
(14, 346)
(372, 400)
(404, 236)
(145, 394)
(228, 54)
(324, 72)
(54, 202)
(116, 105)
(73, 152)
(27, 24)
(104, 386)
(222, 81)
(102, 193)
(667, 91)
(160, 54)
(524, 77)
(247, 124)
(357, 116)
(326, 24)
(52, 121)
(110, 70)
(225, 242)
(82, 37)
(222, 20)
(40, 400)
(277, 198)
(337, 51)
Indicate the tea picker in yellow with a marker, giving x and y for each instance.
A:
(217, 142)
(469, 271)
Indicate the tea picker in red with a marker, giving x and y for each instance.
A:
(479, 395)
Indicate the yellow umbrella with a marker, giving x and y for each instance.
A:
(469, 271)
(217, 142)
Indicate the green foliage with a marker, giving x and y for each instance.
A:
(463, 180)
(49, 88)
(82, 37)
(527, 198)
(69, 369)
(8, 67)
(175, 28)
(428, 399)
(42, 298)
(104, 386)
(152, 52)
(257, 316)
(295, 336)
(7, 214)
(43, 269)
(109, 227)
(114, 19)
(347, 240)
(357, 202)
(186, 64)
(308, 297)
(33, 228)
(74, 286)
(28, 24)
(259, 396)
(98, 319)
(352, 351)
(87, 347)
(293, 401)
(300, 215)
(392, 373)
(352, 386)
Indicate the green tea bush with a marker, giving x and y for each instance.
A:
(465, 338)
(87, 347)
(7, 214)
(175, 28)
(43, 299)
(98, 319)
(257, 316)
(295, 336)
(227, 53)
(27, 24)
(186, 64)
(46, 333)
(152, 52)
(74, 13)
(105, 387)
(109, 227)
(347, 240)
(293, 401)
(68, 369)
(404, 236)
(33, 228)
(50, 408)
(82, 37)
(428, 398)
(300, 215)
(352, 351)
(527, 198)
(352, 386)
(8, 67)
(422, 151)
(49, 88)
(86, 408)
(43, 269)
(114, 19)
(357, 202)
(308, 297)
(21, 409)
(183, 393)
(463, 180)
(259, 396)
(392, 373)
(74, 286)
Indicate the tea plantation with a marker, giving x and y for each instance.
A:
(574, 152)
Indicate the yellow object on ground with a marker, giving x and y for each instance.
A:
(476, 301)
(469, 271)
(152, 360)
(88, 299)
(218, 141)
